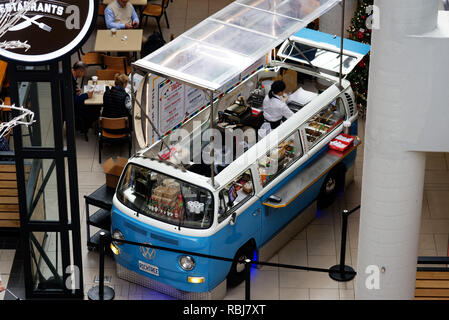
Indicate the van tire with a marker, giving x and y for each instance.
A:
(237, 273)
(332, 184)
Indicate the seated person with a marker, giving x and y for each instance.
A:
(84, 115)
(274, 107)
(116, 102)
(4, 146)
(120, 14)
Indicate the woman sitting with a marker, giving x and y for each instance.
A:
(116, 102)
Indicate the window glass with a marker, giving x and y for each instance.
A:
(164, 198)
(325, 121)
(279, 158)
(235, 194)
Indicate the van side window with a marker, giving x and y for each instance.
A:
(279, 158)
(235, 194)
(325, 121)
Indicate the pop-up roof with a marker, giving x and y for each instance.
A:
(323, 51)
(221, 47)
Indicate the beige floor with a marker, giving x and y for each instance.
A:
(316, 246)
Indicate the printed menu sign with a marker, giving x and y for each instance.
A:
(171, 105)
(43, 30)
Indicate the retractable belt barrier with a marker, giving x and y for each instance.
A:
(339, 272)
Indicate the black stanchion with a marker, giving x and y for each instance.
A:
(247, 279)
(342, 272)
(101, 292)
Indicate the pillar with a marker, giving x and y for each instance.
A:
(393, 174)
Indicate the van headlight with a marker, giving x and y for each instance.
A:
(186, 263)
(116, 234)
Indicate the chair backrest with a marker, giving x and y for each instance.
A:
(115, 63)
(93, 58)
(101, 8)
(106, 74)
(113, 123)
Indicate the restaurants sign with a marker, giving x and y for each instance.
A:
(43, 30)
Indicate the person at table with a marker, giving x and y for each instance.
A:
(84, 115)
(116, 102)
(120, 14)
(274, 107)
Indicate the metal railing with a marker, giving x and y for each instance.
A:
(433, 261)
(340, 272)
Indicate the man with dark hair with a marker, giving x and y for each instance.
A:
(84, 115)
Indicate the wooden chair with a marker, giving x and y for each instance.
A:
(119, 64)
(93, 58)
(106, 74)
(3, 68)
(156, 11)
(108, 127)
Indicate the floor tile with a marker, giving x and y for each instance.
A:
(294, 253)
(293, 294)
(438, 204)
(324, 294)
(347, 294)
(306, 279)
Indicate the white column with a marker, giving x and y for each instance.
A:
(393, 177)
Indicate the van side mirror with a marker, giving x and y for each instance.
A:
(233, 218)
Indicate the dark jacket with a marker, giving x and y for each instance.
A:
(114, 103)
(78, 99)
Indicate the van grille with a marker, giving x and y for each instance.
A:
(135, 229)
(164, 239)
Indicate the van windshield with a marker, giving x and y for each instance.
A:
(165, 198)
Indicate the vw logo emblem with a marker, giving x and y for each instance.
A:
(148, 253)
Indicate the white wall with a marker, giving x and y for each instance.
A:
(331, 21)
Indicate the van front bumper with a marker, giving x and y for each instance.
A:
(217, 293)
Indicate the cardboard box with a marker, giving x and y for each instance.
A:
(113, 169)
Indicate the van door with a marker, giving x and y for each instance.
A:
(239, 221)
(278, 212)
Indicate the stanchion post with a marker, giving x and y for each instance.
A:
(101, 292)
(342, 272)
(247, 279)
(344, 230)
(101, 286)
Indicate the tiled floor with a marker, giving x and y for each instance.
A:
(316, 246)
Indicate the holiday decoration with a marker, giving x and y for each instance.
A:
(359, 30)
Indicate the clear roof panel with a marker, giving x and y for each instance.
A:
(221, 47)
(297, 9)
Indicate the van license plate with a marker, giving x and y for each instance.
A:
(148, 268)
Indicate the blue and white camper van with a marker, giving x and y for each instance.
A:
(244, 207)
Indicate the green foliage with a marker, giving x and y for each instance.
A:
(358, 31)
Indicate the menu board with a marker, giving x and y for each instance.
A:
(194, 99)
(171, 105)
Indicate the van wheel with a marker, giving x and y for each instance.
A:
(237, 273)
(331, 185)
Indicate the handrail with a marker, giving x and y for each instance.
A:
(433, 261)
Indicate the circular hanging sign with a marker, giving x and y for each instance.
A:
(42, 30)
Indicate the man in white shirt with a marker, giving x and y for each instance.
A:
(274, 108)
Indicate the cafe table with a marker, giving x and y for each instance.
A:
(125, 40)
(97, 97)
(133, 2)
